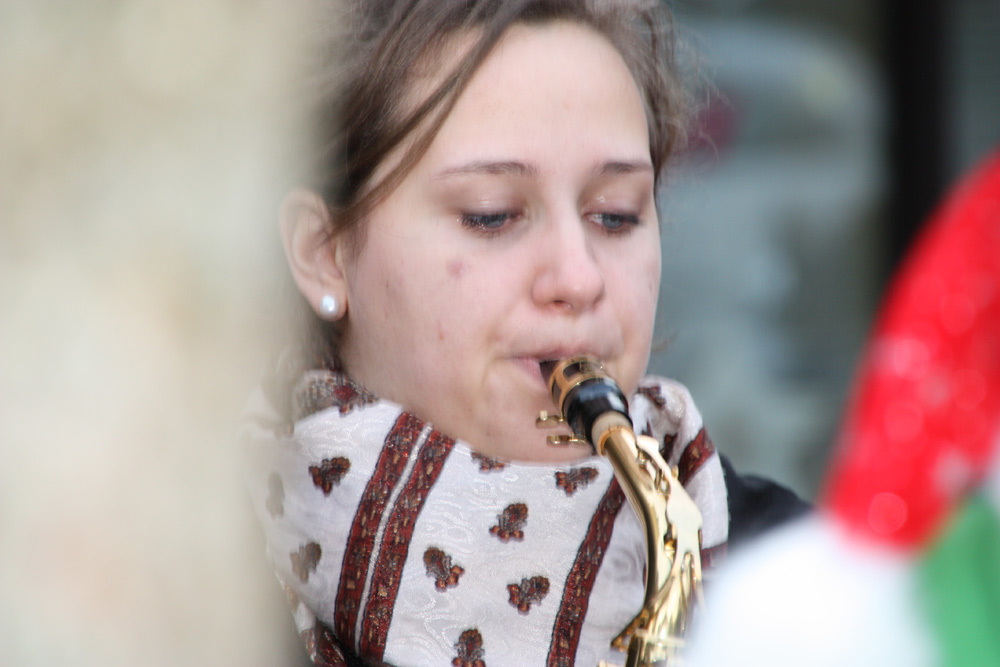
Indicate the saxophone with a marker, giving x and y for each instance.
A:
(591, 404)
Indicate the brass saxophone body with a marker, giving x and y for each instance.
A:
(592, 405)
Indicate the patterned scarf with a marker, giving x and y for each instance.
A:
(403, 546)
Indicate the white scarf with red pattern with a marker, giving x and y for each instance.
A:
(400, 545)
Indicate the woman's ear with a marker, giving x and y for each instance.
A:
(314, 257)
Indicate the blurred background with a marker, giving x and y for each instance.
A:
(827, 132)
(142, 150)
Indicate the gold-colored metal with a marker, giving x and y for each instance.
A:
(670, 520)
(545, 420)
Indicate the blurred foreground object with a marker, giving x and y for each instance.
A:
(141, 152)
(902, 565)
(923, 424)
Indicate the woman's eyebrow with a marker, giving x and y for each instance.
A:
(615, 167)
(492, 168)
(524, 170)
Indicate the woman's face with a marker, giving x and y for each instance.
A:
(526, 233)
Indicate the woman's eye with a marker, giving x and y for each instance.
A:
(616, 222)
(490, 222)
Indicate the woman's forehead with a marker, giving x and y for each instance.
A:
(546, 84)
(539, 79)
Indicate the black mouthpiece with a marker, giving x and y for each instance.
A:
(583, 391)
(589, 400)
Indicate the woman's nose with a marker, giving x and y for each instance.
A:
(570, 277)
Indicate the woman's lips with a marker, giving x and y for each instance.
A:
(532, 367)
(541, 367)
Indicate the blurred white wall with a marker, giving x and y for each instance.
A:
(142, 146)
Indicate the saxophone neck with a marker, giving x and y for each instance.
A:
(594, 408)
(631, 460)
(671, 523)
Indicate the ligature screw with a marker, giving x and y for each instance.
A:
(545, 420)
(564, 440)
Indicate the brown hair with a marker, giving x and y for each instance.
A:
(361, 116)
(374, 51)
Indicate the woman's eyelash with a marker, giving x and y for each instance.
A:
(496, 221)
(488, 222)
(617, 222)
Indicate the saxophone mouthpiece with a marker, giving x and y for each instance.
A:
(582, 391)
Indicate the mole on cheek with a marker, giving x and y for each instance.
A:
(457, 268)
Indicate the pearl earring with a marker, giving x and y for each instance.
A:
(329, 307)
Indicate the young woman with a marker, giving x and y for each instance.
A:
(486, 204)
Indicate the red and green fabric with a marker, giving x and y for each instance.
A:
(917, 463)
(959, 580)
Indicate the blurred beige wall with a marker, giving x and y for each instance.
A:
(142, 147)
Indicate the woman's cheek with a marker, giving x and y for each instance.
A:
(457, 269)
(653, 267)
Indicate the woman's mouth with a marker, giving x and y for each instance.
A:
(546, 367)
(534, 368)
(541, 368)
